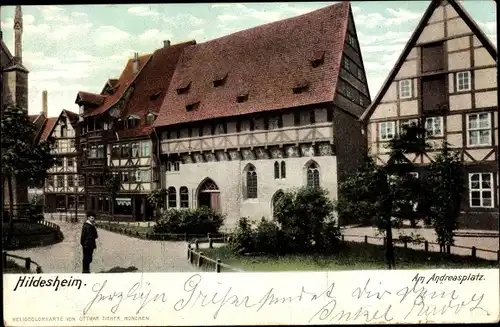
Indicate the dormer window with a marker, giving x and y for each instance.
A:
(318, 59)
(220, 80)
(183, 88)
(132, 121)
(193, 106)
(242, 98)
(154, 96)
(150, 118)
(301, 87)
(120, 124)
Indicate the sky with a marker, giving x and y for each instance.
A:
(73, 48)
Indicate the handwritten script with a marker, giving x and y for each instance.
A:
(369, 301)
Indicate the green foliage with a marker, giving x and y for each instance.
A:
(446, 180)
(157, 199)
(386, 195)
(268, 237)
(243, 237)
(358, 202)
(22, 157)
(302, 215)
(191, 221)
(303, 222)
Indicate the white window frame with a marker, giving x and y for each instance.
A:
(481, 190)
(430, 122)
(463, 76)
(387, 124)
(479, 129)
(403, 92)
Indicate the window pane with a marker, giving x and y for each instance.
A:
(473, 121)
(276, 170)
(487, 202)
(484, 121)
(474, 137)
(484, 137)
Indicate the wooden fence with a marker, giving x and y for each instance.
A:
(49, 224)
(204, 263)
(28, 263)
(402, 242)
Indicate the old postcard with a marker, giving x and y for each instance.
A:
(250, 163)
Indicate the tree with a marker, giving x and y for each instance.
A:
(157, 199)
(302, 216)
(383, 194)
(23, 159)
(357, 202)
(446, 180)
(112, 184)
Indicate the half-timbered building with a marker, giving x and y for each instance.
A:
(446, 79)
(116, 126)
(252, 114)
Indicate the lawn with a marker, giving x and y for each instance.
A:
(352, 256)
(13, 268)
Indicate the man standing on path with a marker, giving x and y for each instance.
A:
(87, 240)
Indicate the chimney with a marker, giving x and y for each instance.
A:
(135, 66)
(166, 43)
(44, 104)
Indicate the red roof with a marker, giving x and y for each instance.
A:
(266, 62)
(48, 127)
(126, 79)
(92, 98)
(151, 86)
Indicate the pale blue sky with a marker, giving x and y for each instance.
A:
(78, 47)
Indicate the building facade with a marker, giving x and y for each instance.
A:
(261, 111)
(116, 129)
(446, 79)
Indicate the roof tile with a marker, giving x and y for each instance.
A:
(265, 61)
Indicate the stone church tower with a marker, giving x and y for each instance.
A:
(14, 74)
(14, 83)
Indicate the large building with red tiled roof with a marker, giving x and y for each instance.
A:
(252, 114)
(115, 131)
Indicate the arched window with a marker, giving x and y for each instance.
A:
(172, 197)
(251, 183)
(276, 170)
(184, 195)
(283, 169)
(313, 175)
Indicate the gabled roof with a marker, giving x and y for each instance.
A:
(413, 39)
(266, 61)
(150, 88)
(126, 79)
(48, 128)
(110, 84)
(73, 117)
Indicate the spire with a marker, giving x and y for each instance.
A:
(18, 33)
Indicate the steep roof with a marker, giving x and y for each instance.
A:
(413, 39)
(48, 128)
(73, 117)
(151, 86)
(126, 79)
(265, 62)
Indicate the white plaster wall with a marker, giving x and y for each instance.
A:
(230, 178)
